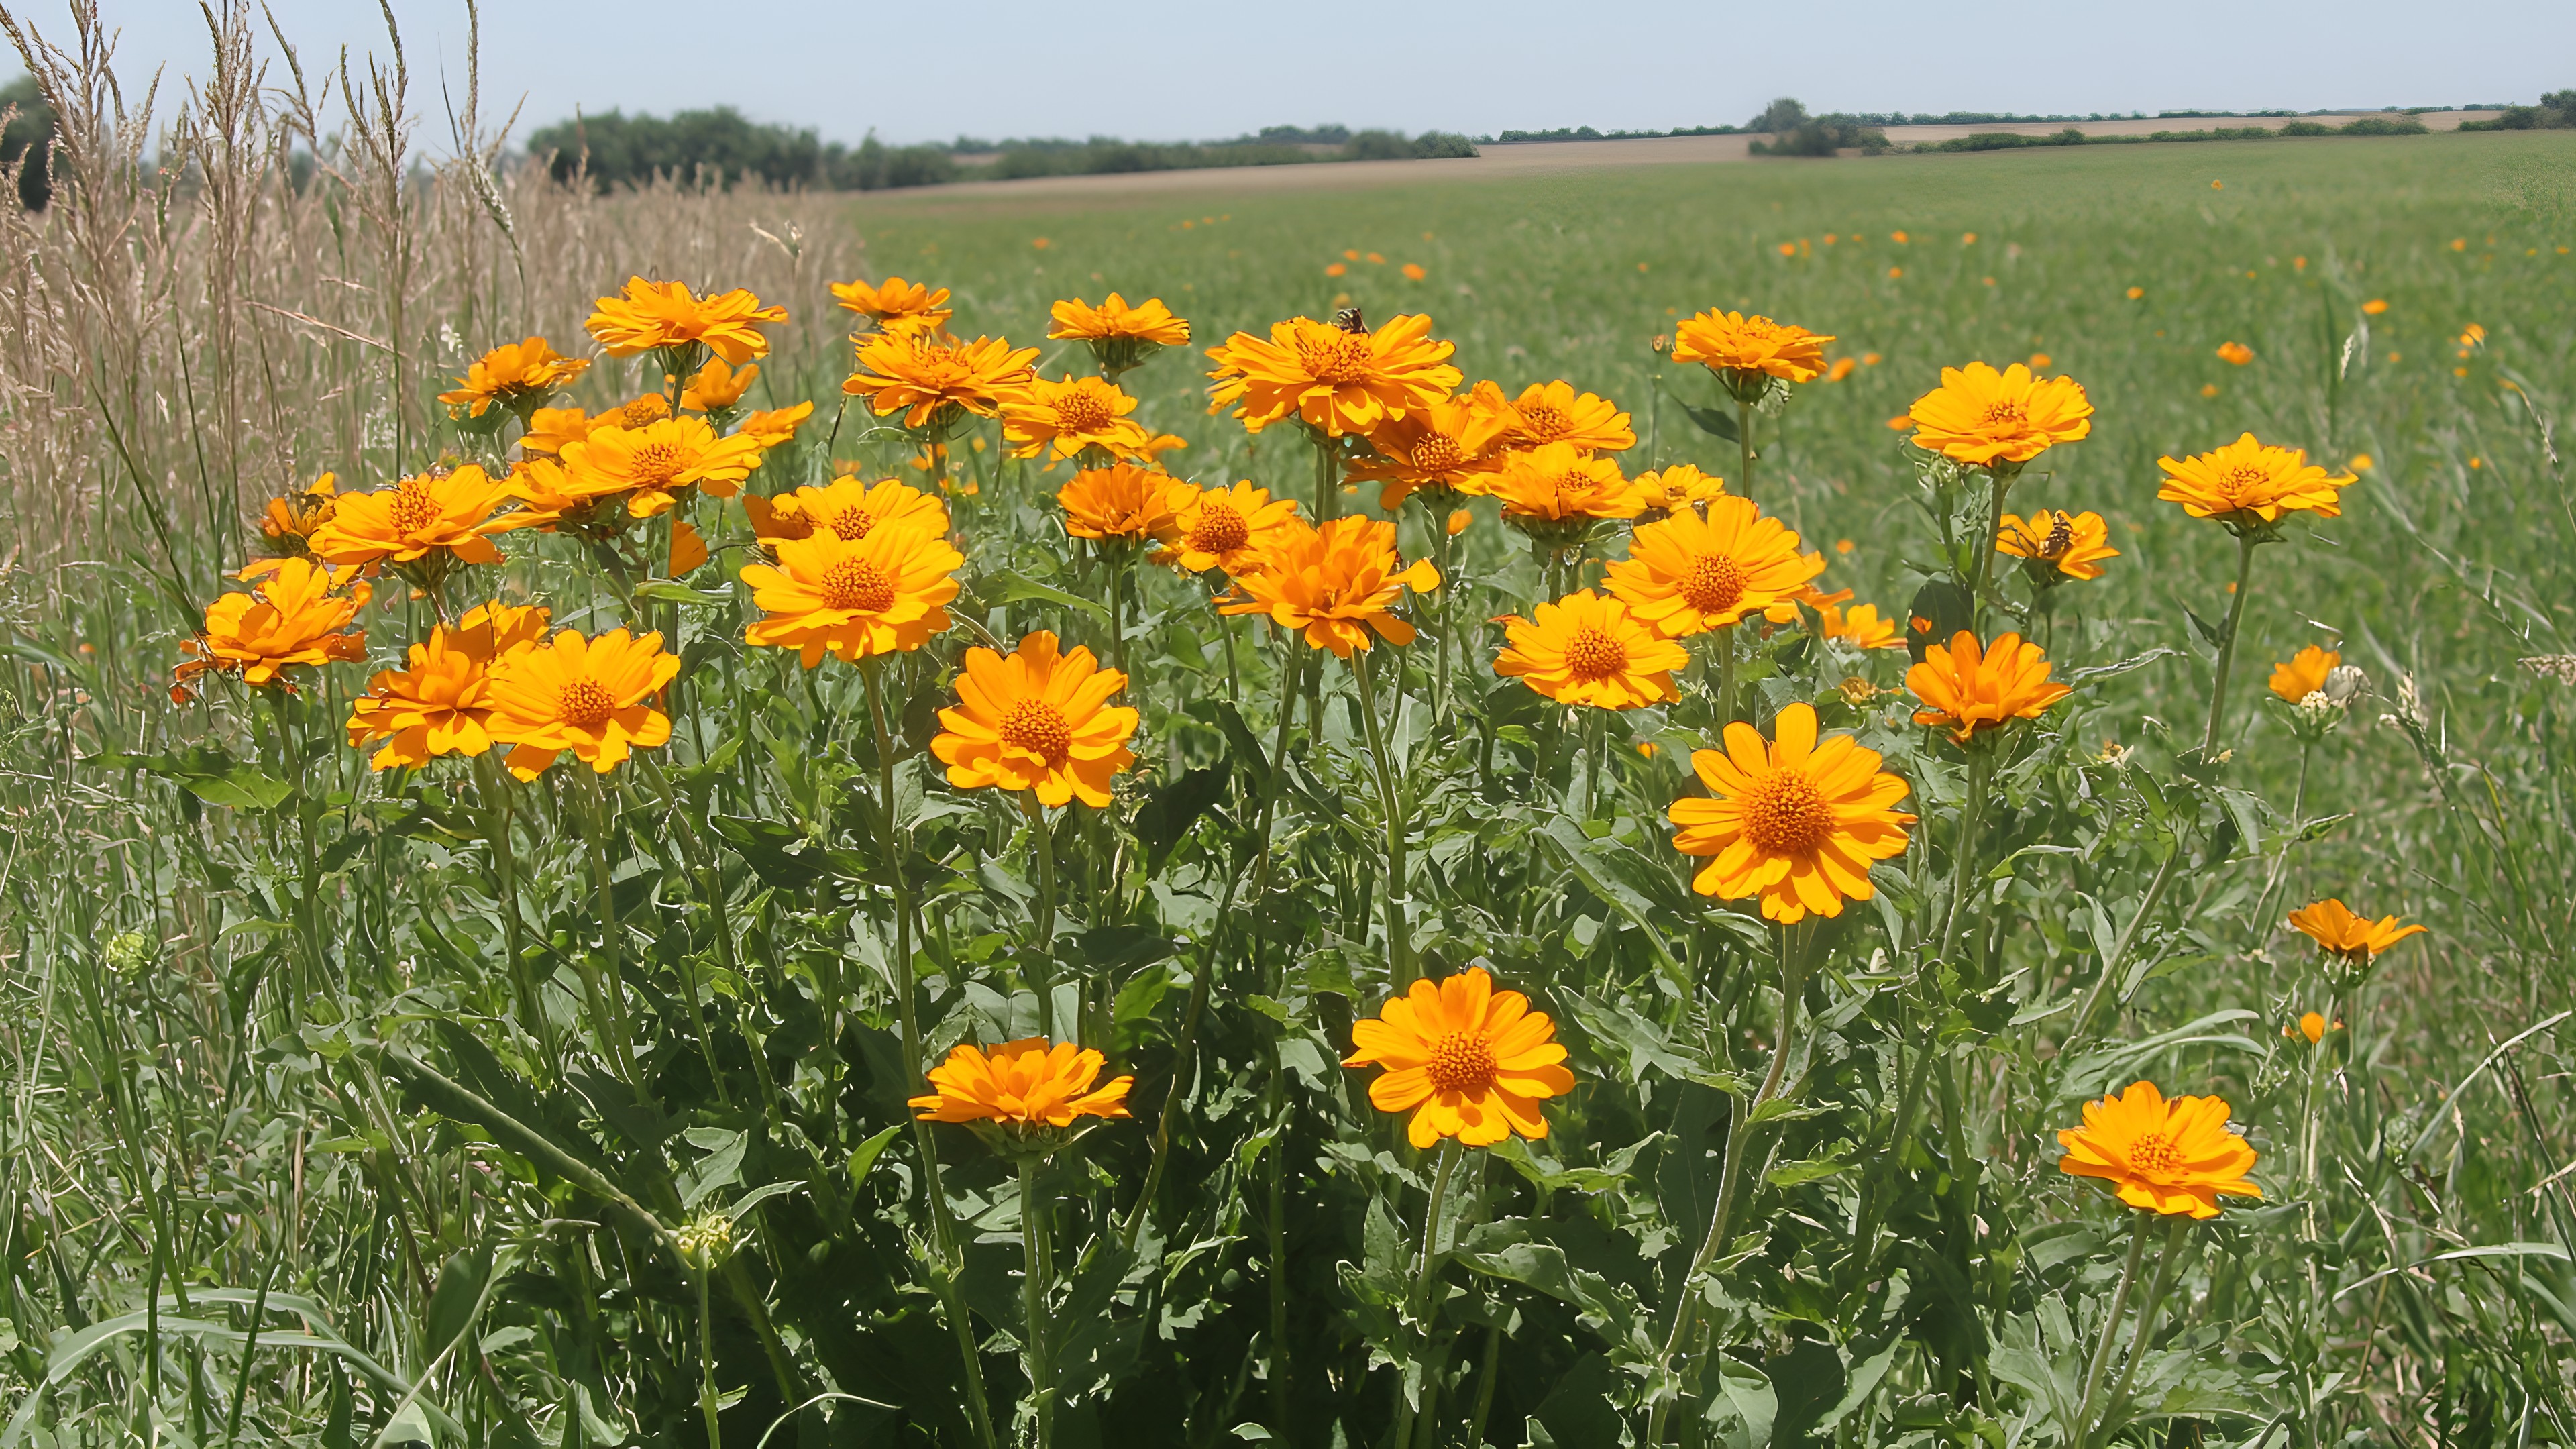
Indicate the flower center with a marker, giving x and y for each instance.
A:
(1220, 529)
(1039, 728)
(585, 704)
(2061, 537)
(1461, 1062)
(2153, 1154)
(2005, 414)
(1593, 654)
(1437, 453)
(1785, 814)
(656, 464)
(1335, 357)
(1081, 412)
(2246, 479)
(649, 408)
(1714, 584)
(414, 507)
(855, 583)
(1544, 420)
(853, 522)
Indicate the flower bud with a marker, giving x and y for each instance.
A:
(706, 1241)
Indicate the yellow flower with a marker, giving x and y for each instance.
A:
(934, 382)
(1038, 720)
(650, 315)
(1120, 336)
(288, 521)
(513, 375)
(652, 465)
(549, 429)
(291, 616)
(2375, 306)
(688, 548)
(1123, 503)
(856, 598)
(1466, 1060)
(1586, 649)
(442, 513)
(2074, 543)
(1446, 446)
(589, 696)
(1967, 689)
(774, 426)
(1022, 1084)
(1560, 485)
(1687, 574)
(895, 304)
(2312, 1025)
(1793, 821)
(2305, 673)
(1861, 628)
(1335, 380)
(1978, 415)
(2248, 484)
(2172, 1157)
(2333, 926)
(441, 704)
(551, 501)
(1674, 489)
(1064, 418)
(1750, 347)
(845, 506)
(1225, 528)
(1554, 412)
(718, 386)
(1338, 583)
(2236, 354)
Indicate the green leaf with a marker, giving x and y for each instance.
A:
(671, 591)
(1949, 609)
(454, 1298)
(1010, 586)
(720, 1168)
(865, 1156)
(1167, 815)
(209, 773)
(1716, 422)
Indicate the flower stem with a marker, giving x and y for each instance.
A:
(1744, 442)
(2245, 546)
(1117, 611)
(1981, 569)
(1328, 479)
(1033, 1303)
(607, 985)
(2166, 1268)
(2101, 1364)
(1414, 1306)
(2119, 952)
(1399, 944)
(1971, 815)
(1725, 678)
(1042, 944)
(707, 1396)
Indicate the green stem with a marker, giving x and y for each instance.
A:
(1485, 1375)
(493, 784)
(1971, 814)
(1042, 944)
(1033, 1303)
(1117, 621)
(1328, 479)
(606, 982)
(708, 1398)
(2246, 543)
(1725, 677)
(2001, 475)
(1414, 1307)
(1399, 944)
(2167, 1267)
(2101, 1364)
(1744, 441)
(1276, 1232)
(2119, 953)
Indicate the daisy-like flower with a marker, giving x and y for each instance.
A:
(2171, 1157)
(1981, 416)
(895, 304)
(1465, 1060)
(716, 386)
(447, 515)
(1968, 689)
(1861, 627)
(1445, 448)
(1065, 418)
(2057, 546)
(1553, 412)
(1334, 380)
(2235, 354)
(1023, 1084)
(935, 381)
(2304, 673)
(2338, 932)
(549, 429)
(1792, 821)
(652, 465)
(773, 427)
(513, 376)
(653, 315)
(1225, 528)
(855, 598)
(1586, 649)
(1557, 490)
(552, 501)
(1675, 489)
(589, 696)
(293, 615)
(1120, 336)
(288, 521)
(849, 507)
(1687, 574)
(1743, 351)
(1038, 720)
(2251, 485)
(1123, 503)
(441, 704)
(1338, 584)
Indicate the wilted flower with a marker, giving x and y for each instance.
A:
(1338, 584)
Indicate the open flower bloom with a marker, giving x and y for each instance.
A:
(2305, 673)
(589, 696)
(1063, 418)
(289, 520)
(1793, 821)
(291, 616)
(1967, 688)
(1333, 379)
(1448, 445)
(441, 703)
(1225, 528)
(1148, 321)
(2235, 354)
(846, 506)
(2248, 484)
(2076, 543)
(551, 500)
(1466, 1060)
(650, 315)
(549, 429)
(652, 465)
(1560, 484)
(718, 386)
(1978, 415)
(1037, 720)
(2171, 1157)
(1553, 412)
(1674, 489)
(511, 375)
(1687, 574)
(1733, 342)
(882, 593)
(449, 513)
(1123, 503)
(1586, 649)
(933, 381)
(773, 426)
(1339, 584)
(2333, 926)
(1861, 626)
(1021, 1084)
(895, 303)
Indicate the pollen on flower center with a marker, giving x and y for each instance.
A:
(2002, 412)
(1594, 654)
(1341, 357)
(1786, 814)
(855, 583)
(1462, 1062)
(1714, 584)
(1437, 453)
(1039, 728)
(1544, 420)
(1220, 529)
(853, 522)
(2153, 1152)
(2246, 478)
(414, 507)
(656, 463)
(1081, 412)
(585, 703)
(643, 410)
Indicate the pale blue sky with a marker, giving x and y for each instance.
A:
(1167, 70)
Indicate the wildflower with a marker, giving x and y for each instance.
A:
(2136, 292)
(514, 375)
(653, 315)
(895, 304)
(1120, 336)
(589, 696)
(291, 616)
(707, 1241)
(652, 465)
(881, 593)
(1745, 351)
(2338, 932)
(441, 704)
(1447, 448)
(1587, 649)
(1335, 380)
(1021, 1086)
(1555, 491)
(1981, 416)
(2374, 306)
(1554, 412)
(936, 382)
(774, 426)
(1790, 820)
(1466, 1060)
(1459, 519)
(847, 507)
(2235, 354)
(1688, 574)
(1038, 720)
(2304, 673)
(289, 520)
(2247, 484)
(1676, 489)
(1065, 418)
(1843, 367)
(550, 428)
(447, 514)
(1123, 503)
(1863, 627)
(2057, 545)
(1338, 583)
(716, 387)
(2312, 1025)
(2170, 1157)
(1968, 689)
(1225, 528)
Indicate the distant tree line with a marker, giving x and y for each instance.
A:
(2556, 112)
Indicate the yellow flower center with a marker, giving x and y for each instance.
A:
(1039, 728)
(853, 522)
(2245, 479)
(1593, 654)
(1714, 584)
(585, 703)
(1334, 356)
(1082, 411)
(855, 583)
(2153, 1154)
(2004, 413)
(1461, 1062)
(415, 508)
(1544, 420)
(2061, 537)
(1785, 814)
(1220, 530)
(647, 409)
(656, 464)
(1437, 453)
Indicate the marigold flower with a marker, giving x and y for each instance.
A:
(651, 315)
(774, 426)
(1792, 820)
(1466, 1060)
(936, 381)
(441, 704)
(1750, 347)
(1021, 1084)
(552, 502)
(1967, 688)
(1225, 528)
(444, 513)
(2073, 543)
(2304, 673)
(1862, 627)
(1587, 649)
(288, 521)
(881, 593)
(549, 429)
(1334, 380)
(1064, 418)
(1688, 574)
(895, 304)
(1978, 415)
(1338, 583)
(1675, 489)
(1553, 412)
(291, 616)
(652, 465)
(588, 696)
(1038, 720)
(1123, 503)
(2170, 1157)
(845, 506)
(1560, 484)
(2248, 484)
(2235, 354)
(717, 386)
(512, 375)
(2333, 926)
(1073, 319)
(1447, 447)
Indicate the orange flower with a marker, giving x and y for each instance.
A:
(882, 593)
(1065, 418)
(1688, 574)
(1466, 1060)
(1123, 503)
(441, 704)
(651, 315)
(718, 386)
(652, 465)
(1338, 583)
(1039, 721)
(935, 382)
(2173, 1157)
(1978, 415)
(2336, 930)
(1023, 1084)
(1225, 528)
(1149, 321)
(288, 521)
(1861, 628)
(2072, 544)
(2247, 484)
(1445, 447)
(895, 304)
(290, 617)
(848, 507)
(688, 548)
(1554, 412)
(1794, 821)
(1336, 380)
(775, 426)
(513, 375)
(588, 696)
(1586, 649)
(2305, 673)
(1560, 485)
(2235, 353)
(1675, 489)
(549, 429)
(1749, 347)
(2375, 306)
(1967, 690)
(449, 514)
